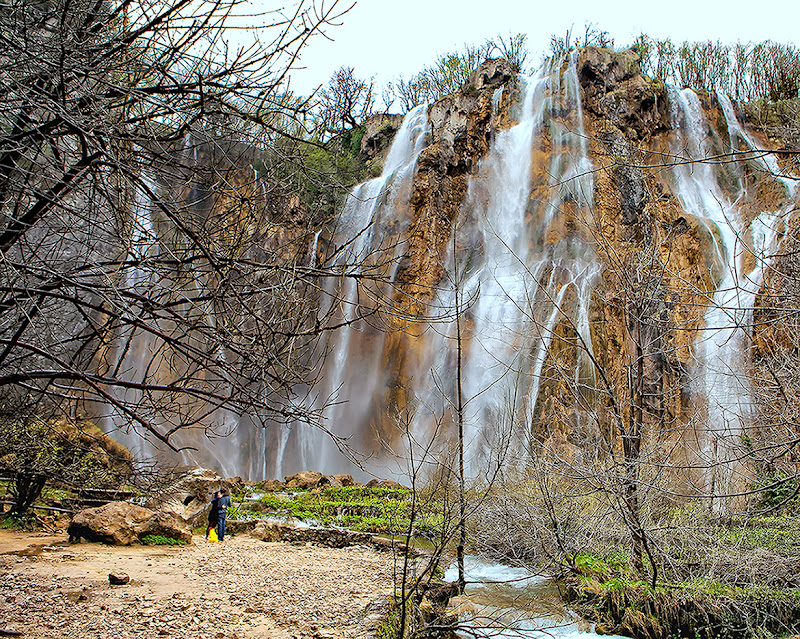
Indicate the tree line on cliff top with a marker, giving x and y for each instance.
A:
(746, 71)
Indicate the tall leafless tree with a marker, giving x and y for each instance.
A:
(153, 269)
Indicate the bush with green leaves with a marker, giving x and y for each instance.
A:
(161, 540)
(74, 454)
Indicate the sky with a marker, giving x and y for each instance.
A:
(385, 39)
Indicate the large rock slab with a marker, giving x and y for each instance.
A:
(307, 480)
(188, 497)
(121, 524)
(328, 537)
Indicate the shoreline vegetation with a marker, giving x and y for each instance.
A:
(733, 577)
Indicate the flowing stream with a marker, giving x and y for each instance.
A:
(502, 601)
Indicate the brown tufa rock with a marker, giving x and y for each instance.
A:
(384, 483)
(379, 131)
(614, 87)
(271, 485)
(118, 578)
(122, 524)
(267, 531)
(341, 480)
(306, 480)
(189, 496)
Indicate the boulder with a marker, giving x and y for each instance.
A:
(341, 480)
(190, 494)
(121, 524)
(271, 485)
(267, 531)
(306, 480)
(239, 526)
(118, 578)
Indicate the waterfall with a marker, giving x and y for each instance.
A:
(714, 196)
(518, 278)
(367, 241)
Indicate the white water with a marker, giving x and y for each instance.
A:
(520, 273)
(515, 283)
(716, 197)
(503, 601)
(374, 217)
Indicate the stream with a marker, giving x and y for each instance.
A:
(503, 601)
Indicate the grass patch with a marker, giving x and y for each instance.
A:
(375, 510)
(27, 522)
(161, 540)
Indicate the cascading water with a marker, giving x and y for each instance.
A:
(367, 242)
(515, 284)
(520, 273)
(715, 196)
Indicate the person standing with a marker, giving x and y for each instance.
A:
(223, 504)
(213, 514)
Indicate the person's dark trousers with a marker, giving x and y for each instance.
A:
(221, 527)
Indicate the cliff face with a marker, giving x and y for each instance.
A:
(644, 209)
(583, 249)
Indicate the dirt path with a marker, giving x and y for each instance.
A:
(242, 589)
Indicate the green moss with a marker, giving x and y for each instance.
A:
(25, 522)
(377, 510)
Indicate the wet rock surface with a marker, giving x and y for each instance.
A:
(240, 589)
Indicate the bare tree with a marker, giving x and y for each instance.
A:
(148, 273)
(346, 102)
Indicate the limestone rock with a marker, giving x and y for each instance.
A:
(189, 496)
(266, 531)
(306, 480)
(239, 527)
(341, 480)
(118, 578)
(271, 485)
(329, 537)
(614, 88)
(379, 131)
(384, 483)
(122, 524)
(490, 75)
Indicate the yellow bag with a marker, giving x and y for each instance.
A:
(212, 536)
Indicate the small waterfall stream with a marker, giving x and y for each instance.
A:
(372, 224)
(715, 195)
(506, 602)
(516, 282)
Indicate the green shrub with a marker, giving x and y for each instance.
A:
(161, 540)
(15, 521)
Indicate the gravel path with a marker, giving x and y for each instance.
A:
(242, 589)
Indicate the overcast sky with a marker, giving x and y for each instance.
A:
(385, 39)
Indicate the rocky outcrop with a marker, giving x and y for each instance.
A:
(461, 129)
(614, 88)
(121, 524)
(189, 495)
(379, 131)
(462, 126)
(307, 480)
(271, 531)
